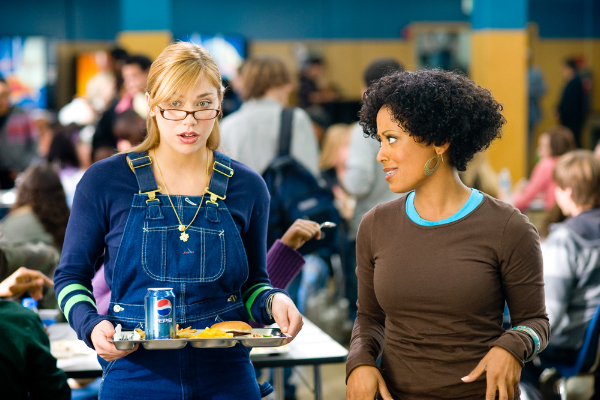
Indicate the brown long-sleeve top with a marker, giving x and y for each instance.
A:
(431, 298)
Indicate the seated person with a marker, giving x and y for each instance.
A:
(37, 220)
(571, 255)
(129, 129)
(40, 213)
(38, 256)
(27, 369)
(552, 144)
(571, 251)
(63, 155)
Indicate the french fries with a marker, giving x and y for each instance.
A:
(185, 332)
(141, 332)
(190, 333)
(209, 333)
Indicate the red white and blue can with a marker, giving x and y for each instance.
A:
(159, 305)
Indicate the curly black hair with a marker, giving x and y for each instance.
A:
(436, 106)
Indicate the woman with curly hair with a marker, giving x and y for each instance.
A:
(436, 267)
(40, 213)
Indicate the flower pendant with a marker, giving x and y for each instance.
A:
(184, 237)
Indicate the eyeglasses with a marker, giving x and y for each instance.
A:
(180, 115)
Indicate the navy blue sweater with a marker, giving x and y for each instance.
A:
(97, 222)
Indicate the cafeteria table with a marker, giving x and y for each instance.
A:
(311, 346)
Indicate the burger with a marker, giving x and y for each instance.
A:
(238, 328)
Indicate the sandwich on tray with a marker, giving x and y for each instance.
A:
(238, 328)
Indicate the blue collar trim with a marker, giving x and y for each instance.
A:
(474, 200)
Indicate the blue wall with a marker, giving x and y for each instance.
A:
(271, 19)
(508, 14)
(566, 19)
(61, 19)
(311, 19)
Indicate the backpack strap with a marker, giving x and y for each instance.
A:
(141, 165)
(285, 131)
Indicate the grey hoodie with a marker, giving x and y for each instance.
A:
(572, 277)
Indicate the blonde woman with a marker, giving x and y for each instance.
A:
(332, 163)
(176, 213)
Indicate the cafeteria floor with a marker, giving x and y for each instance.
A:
(333, 377)
(334, 382)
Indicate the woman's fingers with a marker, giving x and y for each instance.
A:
(300, 232)
(511, 392)
(491, 388)
(364, 382)
(26, 275)
(101, 333)
(476, 373)
(296, 323)
(286, 315)
(383, 390)
(502, 374)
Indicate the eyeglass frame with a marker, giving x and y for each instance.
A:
(162, 112)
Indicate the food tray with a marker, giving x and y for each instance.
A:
(278, 339)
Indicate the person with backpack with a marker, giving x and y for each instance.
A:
(280, 144)
(251, 134)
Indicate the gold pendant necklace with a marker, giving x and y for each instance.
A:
(182, 228)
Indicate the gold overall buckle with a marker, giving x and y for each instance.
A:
(213, 197)
(151, 194)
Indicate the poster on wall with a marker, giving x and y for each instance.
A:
(24, 64)
(228, 50)
(95, 80)
(442, 46)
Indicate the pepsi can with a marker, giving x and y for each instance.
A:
(159, 305)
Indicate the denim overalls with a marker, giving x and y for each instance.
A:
(206, 273)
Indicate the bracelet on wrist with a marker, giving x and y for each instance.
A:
(269, 305)
(534, 336)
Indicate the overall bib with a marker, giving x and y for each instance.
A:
(206, 273)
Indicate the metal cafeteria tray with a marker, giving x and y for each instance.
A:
(277, 339)
(157, 344)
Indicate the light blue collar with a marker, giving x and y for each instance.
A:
(474, 200)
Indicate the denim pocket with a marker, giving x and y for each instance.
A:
(166, 257)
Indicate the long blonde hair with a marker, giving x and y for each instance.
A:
(175, 71)
(336, 137)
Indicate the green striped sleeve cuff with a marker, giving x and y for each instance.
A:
(251, 294)
(74, 294)
(78, 298)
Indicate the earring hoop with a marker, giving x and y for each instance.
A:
(428, 171)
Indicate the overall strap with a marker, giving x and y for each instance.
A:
(217, 189)
(222, 171)
(141, 165)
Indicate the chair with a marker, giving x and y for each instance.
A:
(587, 360)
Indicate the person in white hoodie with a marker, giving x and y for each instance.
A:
(251, 134)
(364, 180)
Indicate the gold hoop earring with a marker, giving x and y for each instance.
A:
(428, 171)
